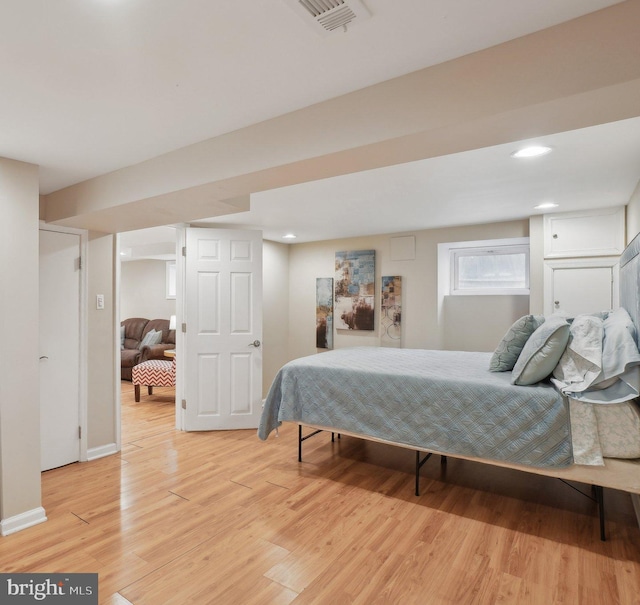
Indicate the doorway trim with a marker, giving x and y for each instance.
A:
(117, 360)
(181, 262)
(83, 340)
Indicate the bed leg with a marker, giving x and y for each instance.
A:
(301, 439)
(600, 500)
(419, 464)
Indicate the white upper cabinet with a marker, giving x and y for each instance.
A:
(589, 233)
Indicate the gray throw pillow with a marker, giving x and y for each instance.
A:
(512, 343)
(541, 352)
(152, 337)
(121, 337)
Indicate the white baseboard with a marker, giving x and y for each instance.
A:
(100, 452)
(635, 498)
(22, 521)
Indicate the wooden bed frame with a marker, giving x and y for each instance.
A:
(623, 475)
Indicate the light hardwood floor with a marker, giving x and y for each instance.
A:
(227, 519)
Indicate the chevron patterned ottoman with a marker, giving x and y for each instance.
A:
(153, 373)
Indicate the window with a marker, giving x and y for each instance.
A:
(494, 267)
(171, 279)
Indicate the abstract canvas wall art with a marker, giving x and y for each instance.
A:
(324, 313)
(391, 312)
(355, 289)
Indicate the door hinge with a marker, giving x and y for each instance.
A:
(184, 251)
(79, 432)
(184, 328)
(184, 404)
(79, 263)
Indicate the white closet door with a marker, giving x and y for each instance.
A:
(59, 349)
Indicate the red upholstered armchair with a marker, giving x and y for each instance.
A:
(132, 334)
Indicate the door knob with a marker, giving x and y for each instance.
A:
(255, 343)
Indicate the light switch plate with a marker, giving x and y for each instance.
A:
(100, 301)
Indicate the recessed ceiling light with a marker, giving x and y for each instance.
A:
(546, 205)
(289, 236)
(531, 152)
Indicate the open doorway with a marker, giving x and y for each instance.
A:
(147, 311)
(218, 280)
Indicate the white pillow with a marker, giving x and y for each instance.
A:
(581, 363)
(542, 352)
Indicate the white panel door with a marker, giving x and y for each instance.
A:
(582, 290)
(59, 349)
(223, 316)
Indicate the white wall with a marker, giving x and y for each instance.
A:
(420, 324)
(19, 386)
(633, 214)
(143, 290)
(477, 323)
(101, 379)
(275, 305)
(536, 264)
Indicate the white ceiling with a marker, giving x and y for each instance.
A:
(589, 168)
(90, 86)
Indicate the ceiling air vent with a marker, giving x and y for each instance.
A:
(328, 16)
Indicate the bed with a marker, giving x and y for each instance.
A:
(582, 425)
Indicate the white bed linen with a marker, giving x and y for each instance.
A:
(604, 431)
(600, 363)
